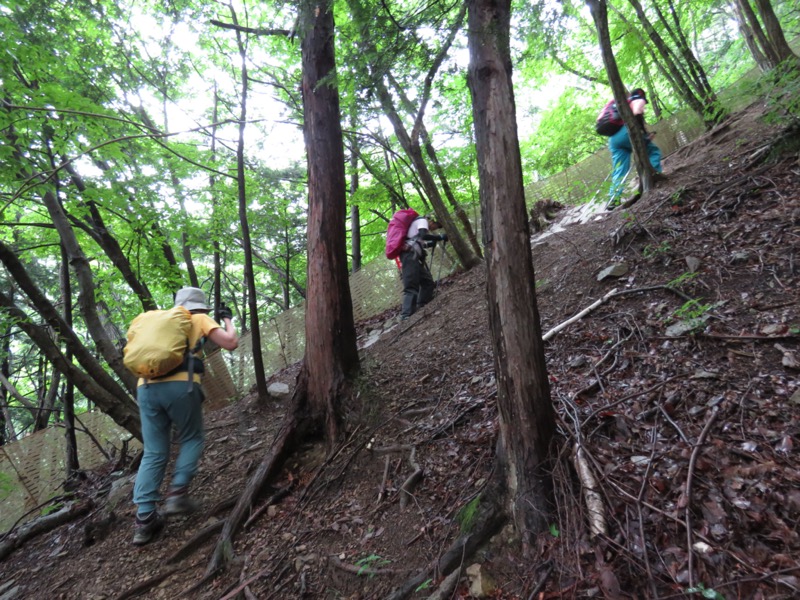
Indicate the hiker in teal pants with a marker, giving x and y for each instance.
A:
(620, 146)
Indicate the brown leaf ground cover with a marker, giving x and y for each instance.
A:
(680, 394)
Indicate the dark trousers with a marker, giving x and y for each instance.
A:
(417, 283)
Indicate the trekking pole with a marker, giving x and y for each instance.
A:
(441, 260)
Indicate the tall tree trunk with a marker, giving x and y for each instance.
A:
(750, 38)
(331, 355)
(437, 167)
(71, 443)
(704, 102)
(247, 247)
(466, 256)
(7, 432)
(527, 418)
(355, 217)
(774, 32)
(212, 186)
(758, 33)
(635, 132)
(86, 296)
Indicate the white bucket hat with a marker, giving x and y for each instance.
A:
(191, 298)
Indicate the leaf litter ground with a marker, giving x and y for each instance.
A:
(681, 393)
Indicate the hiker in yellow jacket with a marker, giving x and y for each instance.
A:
(170, 401)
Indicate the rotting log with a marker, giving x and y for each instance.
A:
(16, 538)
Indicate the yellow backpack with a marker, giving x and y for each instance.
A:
(158, 342)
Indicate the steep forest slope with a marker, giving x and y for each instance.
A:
(679, 394)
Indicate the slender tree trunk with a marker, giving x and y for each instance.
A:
(355, 218)
(750, 38)
(255, 330)
(71, 443)
(635, 132)
(466, 256)
(774, 33)
(758, 32)
(527, 418)
(86, 297)
(331, 356)
(6, 424)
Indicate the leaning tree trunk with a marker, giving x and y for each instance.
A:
(72, 464)
(527, 418)
(774, 33)
(635, 131)
(750, 40)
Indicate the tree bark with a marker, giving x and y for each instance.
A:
(71, 463)
(527, 418)
(122, 409)
(635, 131)
(105, 391)
(774, 33)
(331, 355)
(86, 299)
(750, 38)
(247, 247)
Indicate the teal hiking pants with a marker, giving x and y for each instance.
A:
(160, 406)
(620, 146)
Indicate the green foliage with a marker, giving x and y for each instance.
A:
(6, 486)
(650, 250)
(425, 585)
(705, 592)
(682, 279)
(468, 513)
(554, 531)
(367, 563)
(52, 508)
(691, 310)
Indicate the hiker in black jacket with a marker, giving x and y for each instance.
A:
(417, 279)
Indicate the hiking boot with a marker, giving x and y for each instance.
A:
(145, 529)
(180, 504)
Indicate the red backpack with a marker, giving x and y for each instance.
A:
(398, 231)
(609, 120)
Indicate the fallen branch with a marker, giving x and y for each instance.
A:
(579, 316)
(361, 569)
(28, 531)
(594, 503)
(689, 477)
(274, 499)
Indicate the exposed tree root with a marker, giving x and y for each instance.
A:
(294, 427)
(16, 538)
(410, 483)
(489, 520)
(147, 584)
(194, 542)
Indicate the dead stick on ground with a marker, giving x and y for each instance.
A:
(194, 542)
(690, 554)
(594, 502)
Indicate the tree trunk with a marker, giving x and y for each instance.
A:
(774, 33)
(750, 38)
(121, 408)
(635, 131)
(247, 247)
(703, 102)
(96, 227)
(758, 33)
(331, 355)
(72, 465)
(355, 217)
(86, 299)
(527, 418)
(48, 312)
